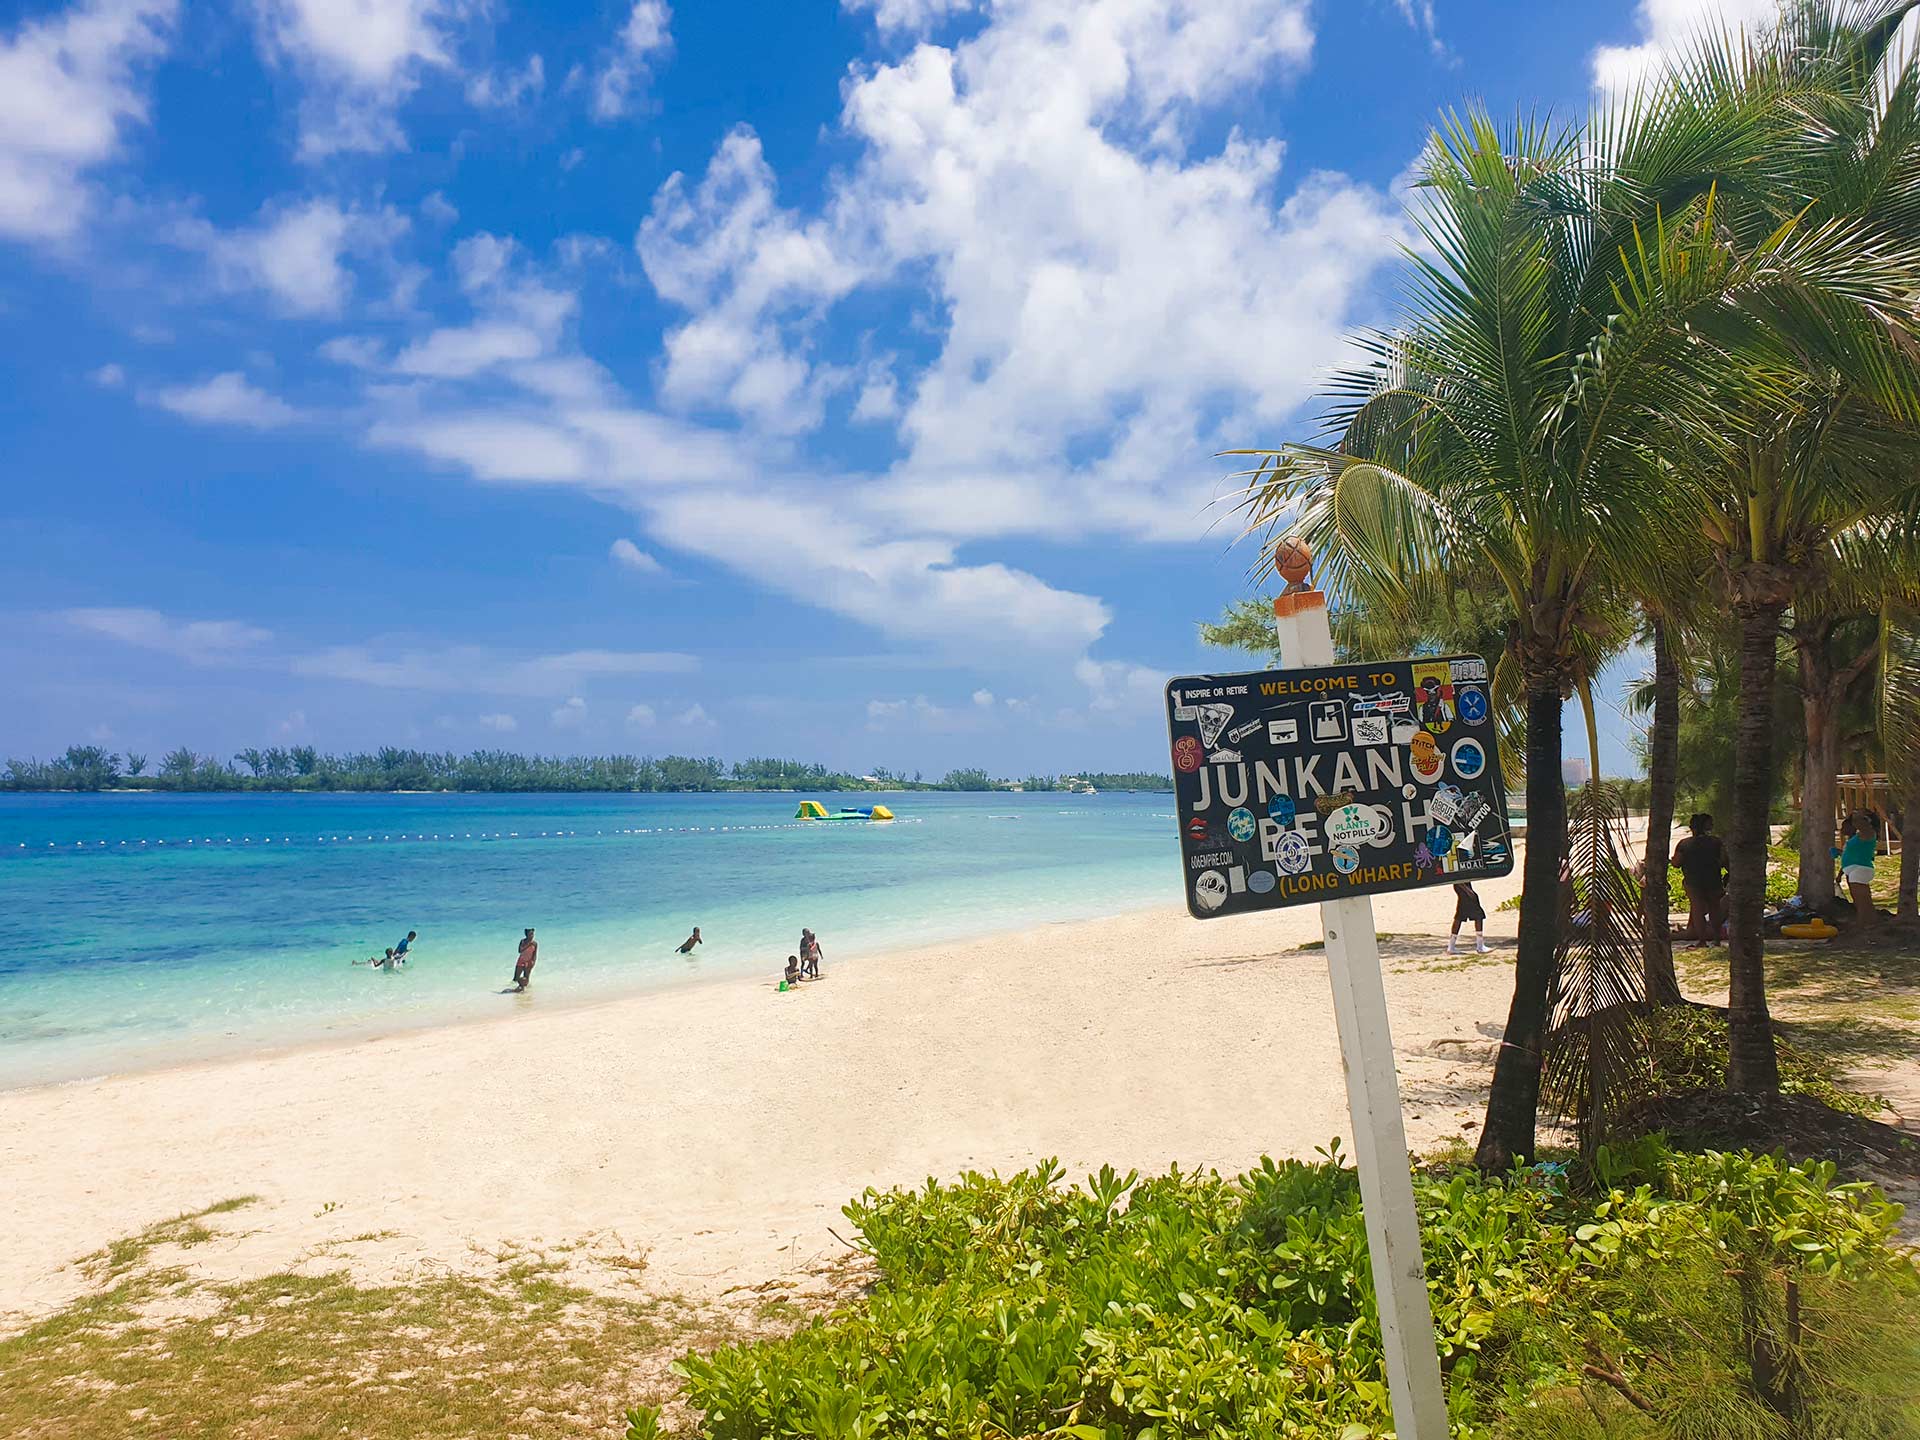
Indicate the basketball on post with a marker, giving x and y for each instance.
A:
(1293, 560)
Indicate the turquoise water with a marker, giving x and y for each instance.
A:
(150, 928)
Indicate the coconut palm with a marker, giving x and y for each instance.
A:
(1897, 701)
(1868, 572)
(1810, 432)
(1508, 431)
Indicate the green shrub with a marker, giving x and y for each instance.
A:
(1690, 1053)
(1188, 1305)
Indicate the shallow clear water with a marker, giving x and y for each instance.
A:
(148, 928)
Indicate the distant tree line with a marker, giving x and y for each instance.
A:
(303, 768)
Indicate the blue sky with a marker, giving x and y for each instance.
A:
(772, 378)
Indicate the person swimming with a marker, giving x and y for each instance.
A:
(686, 946)
(380, 961)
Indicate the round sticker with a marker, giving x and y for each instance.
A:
(1281, 809)
(1240, 823)
(1210, 890)
(1439, 842)
(1469, 759)
(1187, 754)
(1261, 881)
(1346, 859)
(1382, 826)
(1424, 757)
(1292, 854)
(1473, 704)
(1350, 824)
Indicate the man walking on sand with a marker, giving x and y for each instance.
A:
(523, 964)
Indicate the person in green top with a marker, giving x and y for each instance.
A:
(1856, 865)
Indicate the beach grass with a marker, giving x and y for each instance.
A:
(522, 1351)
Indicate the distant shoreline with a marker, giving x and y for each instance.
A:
(274, 787)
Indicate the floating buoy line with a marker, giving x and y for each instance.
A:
(209, 842)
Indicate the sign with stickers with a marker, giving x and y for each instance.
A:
(1298, 786)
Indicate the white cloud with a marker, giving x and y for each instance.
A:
(295, 723)
(296, 252)
(640, 717)
(507, 89)
(983, 698)
(440, 210)
(694, 717)
(725, 250)
(109, 377)
(1420, 15)
(1108, 301)
(360, 60)
(500, 721)
(1666, 28)
(570, 714)
(357, 352)
(226, 399)
(910, 17)
(475, 669)
(879, 396)
(632, 557)
(69, 84)
(643, 39)
(1118, 685)
(199, 642)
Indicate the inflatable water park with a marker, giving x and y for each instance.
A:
(814, 810)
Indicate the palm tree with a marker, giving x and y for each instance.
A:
(1897, 702)
(1809, 432)
(1506, 433)
(1838, 636)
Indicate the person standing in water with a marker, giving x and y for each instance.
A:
(809, 955)
(1467, 906)
(523, 964)
(400, 951)
(686, 946)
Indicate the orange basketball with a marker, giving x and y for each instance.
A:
(1293, 560)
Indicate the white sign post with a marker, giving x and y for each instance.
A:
(1373, 1101)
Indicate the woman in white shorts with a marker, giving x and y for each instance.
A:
(1856, 865)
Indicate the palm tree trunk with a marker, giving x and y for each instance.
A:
(1907, 907)
(1752, 1064)
(1812, 641)
(1508, 1133)
(1663, 773)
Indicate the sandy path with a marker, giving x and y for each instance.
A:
(720, 1127)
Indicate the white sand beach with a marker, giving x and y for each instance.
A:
(719, 1128)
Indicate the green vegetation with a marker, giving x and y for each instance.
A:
(303, 768)
(1690, 1053)
(154, 1354)
(1653, 1294)
(1655, 375)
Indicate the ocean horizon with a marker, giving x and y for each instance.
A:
(158, 928)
